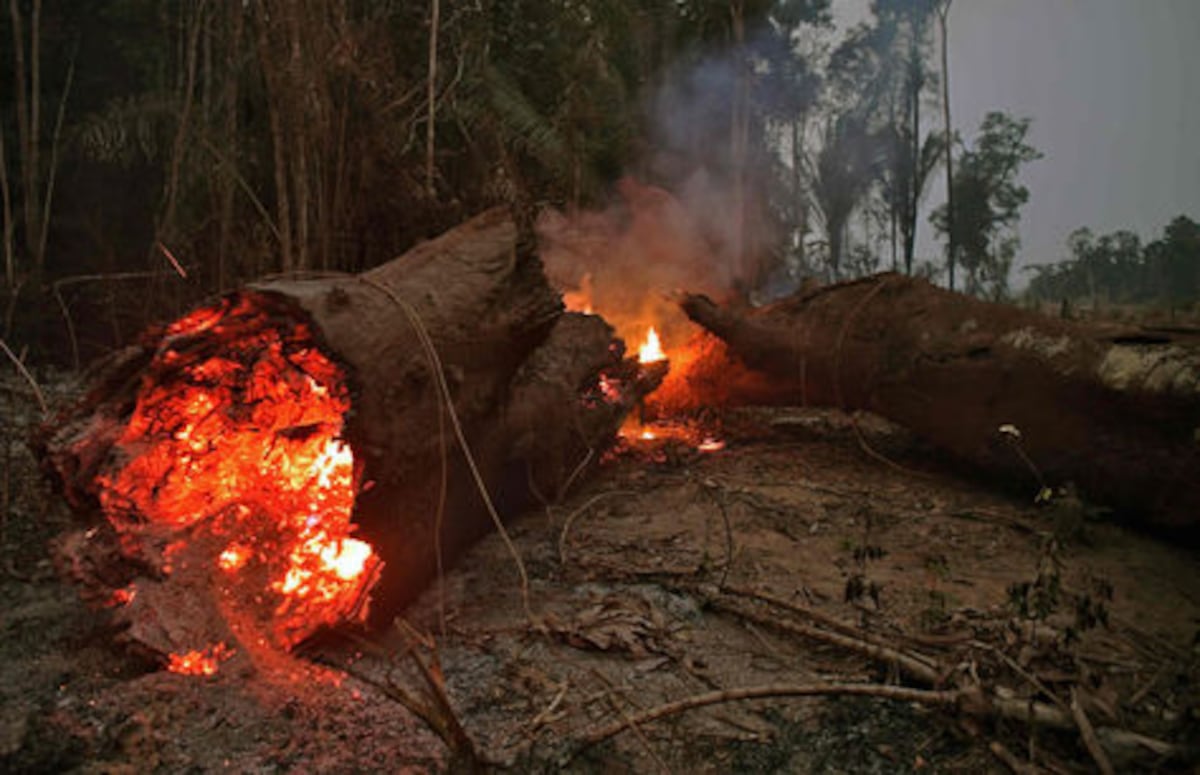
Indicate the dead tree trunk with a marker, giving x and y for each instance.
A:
(1115, 412)
(523, 379)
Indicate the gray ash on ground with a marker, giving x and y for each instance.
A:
(622, 574)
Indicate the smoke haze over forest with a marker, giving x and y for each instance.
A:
(1110, 86)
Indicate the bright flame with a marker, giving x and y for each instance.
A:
(234, 557)
(651, 350)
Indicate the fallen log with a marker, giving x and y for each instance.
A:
(278, 459)
(1115, 411)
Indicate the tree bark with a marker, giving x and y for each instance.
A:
(1117, 412)
(523, 378)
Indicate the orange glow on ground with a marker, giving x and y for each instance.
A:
(237, 440)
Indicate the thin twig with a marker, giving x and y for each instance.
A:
(44, 231)
(630, 723)
(810, 613)
(547, 713)
(37, 391)
(66, 313)
(911, 664)
(837, 382)
(566, 487)
(1088, 733)
(1141, 693)
(435, 365)
(1010, 760)
(171, 257)
(435, 709)
(241, 181)
(566, 528)
(882, 458)
(899, 693)
(719, 498)
(1030, 677)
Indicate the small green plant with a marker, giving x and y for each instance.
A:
(1091, 608)
(1039, 598)
(859, 586)
(936, 611)
(1068, 512)
(865, 551)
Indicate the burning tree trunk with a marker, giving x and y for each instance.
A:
(289, 448)
(1116, 413)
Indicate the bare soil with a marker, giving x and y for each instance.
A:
(670, 573)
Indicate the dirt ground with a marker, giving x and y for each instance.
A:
(791, 561)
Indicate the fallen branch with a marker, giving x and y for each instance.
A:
(915, 666)
(37, 391)
(566, 528)
(1088, 733)
(898, 693)
(1010, 760)
(973, 700)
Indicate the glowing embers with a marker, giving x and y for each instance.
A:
(199, 661)
(233, 449)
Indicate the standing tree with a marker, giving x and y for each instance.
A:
(988, 201)
(842, 174)
(943, 10)
(788, 92)
(882, 68)
(1175, 260)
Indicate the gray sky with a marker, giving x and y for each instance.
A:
(1111, 86)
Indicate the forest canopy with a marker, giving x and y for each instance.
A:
(155, 152)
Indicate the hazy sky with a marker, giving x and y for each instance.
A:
(1113, 88)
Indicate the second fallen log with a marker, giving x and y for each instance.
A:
(1116, 411)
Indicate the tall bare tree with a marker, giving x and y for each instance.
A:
(431, 95)
(943, 11)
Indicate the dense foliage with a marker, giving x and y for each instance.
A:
(146, 140)
(1118, 269)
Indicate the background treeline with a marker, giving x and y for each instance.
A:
(1118, 269)
(145, 140)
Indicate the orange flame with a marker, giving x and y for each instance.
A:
(651, 350)
(580, 299)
